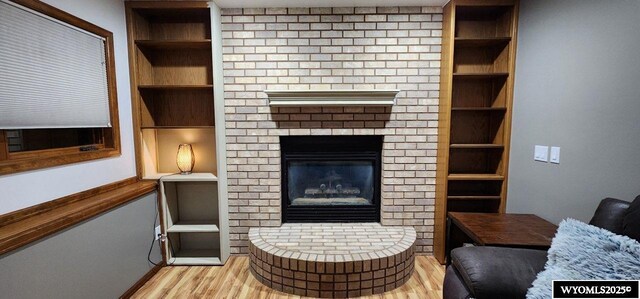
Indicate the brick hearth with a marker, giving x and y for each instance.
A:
(332, 259)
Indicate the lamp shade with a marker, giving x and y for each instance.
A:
(185, 158)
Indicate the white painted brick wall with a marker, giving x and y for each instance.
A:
(332, 48)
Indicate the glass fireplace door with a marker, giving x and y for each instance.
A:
(331, 178)
(330, 183)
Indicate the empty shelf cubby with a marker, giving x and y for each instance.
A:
(474, 205)
(177, 107)
(175, 67)
(483, 21)
(172, 24)
(193, 249)
(475, 160)
(477, 127)
(469, 92)
(486, 59)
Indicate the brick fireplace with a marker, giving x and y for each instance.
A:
(331, 48)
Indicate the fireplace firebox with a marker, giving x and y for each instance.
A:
(331, 178)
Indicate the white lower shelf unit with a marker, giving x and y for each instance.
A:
(191, 219)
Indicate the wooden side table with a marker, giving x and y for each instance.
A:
(508, 230)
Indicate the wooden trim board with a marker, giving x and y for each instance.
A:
(509, 113)
(444, 124)
(221, 135)
(34, 223)
(44, 207)
(134, 288)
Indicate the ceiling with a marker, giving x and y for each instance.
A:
(326, 3)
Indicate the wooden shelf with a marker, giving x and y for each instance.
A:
(173, 44)
(481, 41)
(476, 146)
(498, 109)
(480, 75)
(172, 87)
(193, 227)
(475, 177)
(472, 197)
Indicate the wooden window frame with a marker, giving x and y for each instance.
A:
(110, 146)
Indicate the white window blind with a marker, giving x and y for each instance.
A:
(52, 74)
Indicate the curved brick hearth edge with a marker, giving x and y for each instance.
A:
(332, 259)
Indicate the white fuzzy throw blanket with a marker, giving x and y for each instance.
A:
(580, 251)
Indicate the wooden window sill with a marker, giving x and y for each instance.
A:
(28, 225)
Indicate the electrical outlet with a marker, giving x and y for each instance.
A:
(158, 232)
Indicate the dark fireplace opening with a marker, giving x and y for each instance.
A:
(331, 178)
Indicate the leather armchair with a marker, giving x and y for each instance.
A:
(501, 272)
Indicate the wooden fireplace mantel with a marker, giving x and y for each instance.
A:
(368, 97)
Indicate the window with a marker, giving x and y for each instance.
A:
(58, 100)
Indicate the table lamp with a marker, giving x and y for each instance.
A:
(185, 158)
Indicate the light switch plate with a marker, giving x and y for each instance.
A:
(541, 153)
(554, 155)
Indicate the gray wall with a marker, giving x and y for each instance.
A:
(99, 258)
(578, 87)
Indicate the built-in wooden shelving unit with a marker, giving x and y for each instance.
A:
(172, 70)
(172, 48)
(477, 71)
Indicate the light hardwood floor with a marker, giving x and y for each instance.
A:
(233, 280)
